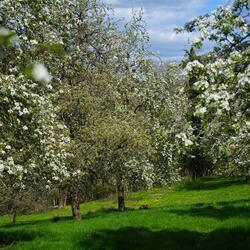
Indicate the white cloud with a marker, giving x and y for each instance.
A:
(125, 12)
(157, 3)
(166, 36)
(165, 18)
(111, 1)
(161, 17)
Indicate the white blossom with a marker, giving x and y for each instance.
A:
(40, 73)
(25, 127)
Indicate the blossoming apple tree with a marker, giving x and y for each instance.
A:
(220, 83)
(32, 141)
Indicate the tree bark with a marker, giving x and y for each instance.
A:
(14, 218)
(121, 198)
(76, 213)
(248, 179)
(65, 201)
(62, 198)
(54, 202)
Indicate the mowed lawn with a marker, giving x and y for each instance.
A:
(207, 214)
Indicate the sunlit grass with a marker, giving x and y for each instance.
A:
(206, 214)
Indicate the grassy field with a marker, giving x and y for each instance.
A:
(206, 214)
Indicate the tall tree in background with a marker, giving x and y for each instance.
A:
(221, 83)
(98, 72)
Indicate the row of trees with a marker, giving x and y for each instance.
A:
(85, 112)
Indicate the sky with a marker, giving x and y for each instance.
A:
(162, 16)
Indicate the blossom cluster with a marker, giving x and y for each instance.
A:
(221, 80)
(30, 142)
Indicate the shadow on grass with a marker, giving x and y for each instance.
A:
(143, 238)
(211, 183)
(91, 214)
(220, 213)
(222, 203)
(102, 211)
(12, 237)
(34, 222)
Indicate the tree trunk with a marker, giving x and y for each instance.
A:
(65, 201)
(62, 198)
(14, 218)
(76, 208)
(121, 200)
(62, 201)
(248, 179)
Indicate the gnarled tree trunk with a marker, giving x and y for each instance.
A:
(121, 198)
(75, 204)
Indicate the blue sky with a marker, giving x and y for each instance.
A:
(162, 16)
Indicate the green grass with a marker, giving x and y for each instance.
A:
(207, 214)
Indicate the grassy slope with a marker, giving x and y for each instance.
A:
(207, 214)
